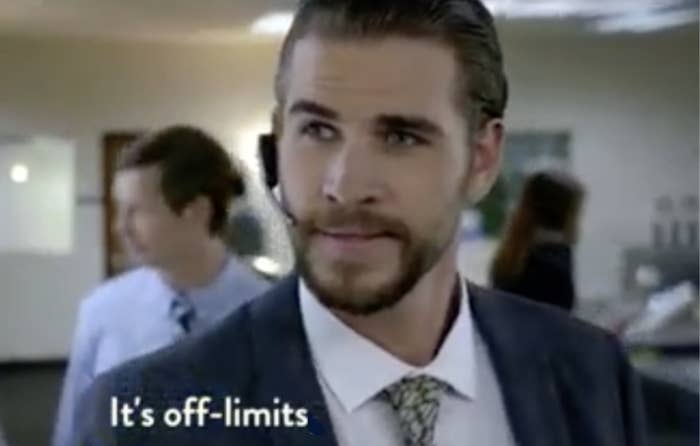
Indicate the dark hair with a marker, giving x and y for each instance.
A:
(550, 201)
(192, 164)
(465, 25)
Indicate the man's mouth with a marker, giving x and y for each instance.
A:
(350, 234)
(358, 243)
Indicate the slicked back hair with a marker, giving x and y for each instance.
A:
(465, 26)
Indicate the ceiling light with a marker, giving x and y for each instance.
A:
(534, 9)
(19, 173)
(274, 24)
(646, 22)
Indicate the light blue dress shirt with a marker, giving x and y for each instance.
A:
(137, 313)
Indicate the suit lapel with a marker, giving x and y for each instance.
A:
(525, 375)
(282, 356)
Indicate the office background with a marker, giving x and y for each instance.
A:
(73, 71)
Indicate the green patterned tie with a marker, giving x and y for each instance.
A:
(416, 401)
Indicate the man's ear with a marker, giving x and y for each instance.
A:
(199, 210)
(277, 121)
(486, 147)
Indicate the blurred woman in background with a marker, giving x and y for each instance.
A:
(534, 259)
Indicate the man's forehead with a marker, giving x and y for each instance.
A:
(410, 72)
(142, 177)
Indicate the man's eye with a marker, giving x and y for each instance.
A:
(403, 139)
(319, 131)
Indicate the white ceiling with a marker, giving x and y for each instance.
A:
(195, 20)
(230, 20)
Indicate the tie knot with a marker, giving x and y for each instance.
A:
(183, 312)
(416, 401)
(408, 391)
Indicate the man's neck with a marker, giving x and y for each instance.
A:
(199, 267)
(413, 329)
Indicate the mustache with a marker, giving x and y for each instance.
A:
(365, 220)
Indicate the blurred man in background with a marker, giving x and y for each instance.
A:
(173, 190)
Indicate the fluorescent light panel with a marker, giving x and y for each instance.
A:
(607, 15)
(646, 22)
(19, 173)
(276, 23)
(576, 8)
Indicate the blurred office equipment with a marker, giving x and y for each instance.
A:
(672, 255)
(665, 336)
(660, 334)
(664, 309)
(657, 317)
(663, 344)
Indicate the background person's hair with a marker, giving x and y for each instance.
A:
(192, 164)
(550, 201)
(466, 26)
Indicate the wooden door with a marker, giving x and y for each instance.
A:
(112, 143)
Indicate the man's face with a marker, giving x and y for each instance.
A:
(374, 165)
(152, 233)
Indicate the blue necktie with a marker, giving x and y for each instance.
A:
(183, 312)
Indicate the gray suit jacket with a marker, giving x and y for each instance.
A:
(564, 382)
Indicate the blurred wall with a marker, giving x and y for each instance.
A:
(76, 90)
(629, 102)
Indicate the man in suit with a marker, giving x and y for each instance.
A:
(389, 121)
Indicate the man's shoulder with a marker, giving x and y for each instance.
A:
(563, 366)
(539, 328)
(216, 364)
(223, 353)
(117, 290)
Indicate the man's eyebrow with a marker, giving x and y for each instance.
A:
(416, 123)
(313, 108)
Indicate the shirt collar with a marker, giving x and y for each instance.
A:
(207, 298)
(337, 349)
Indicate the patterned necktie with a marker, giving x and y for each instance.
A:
(183, 312)
(416, 401)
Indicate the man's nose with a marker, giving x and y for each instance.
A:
(352, 177)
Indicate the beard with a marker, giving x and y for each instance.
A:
(339, 285)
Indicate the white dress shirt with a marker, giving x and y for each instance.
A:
(134, 314)
(353, 371)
